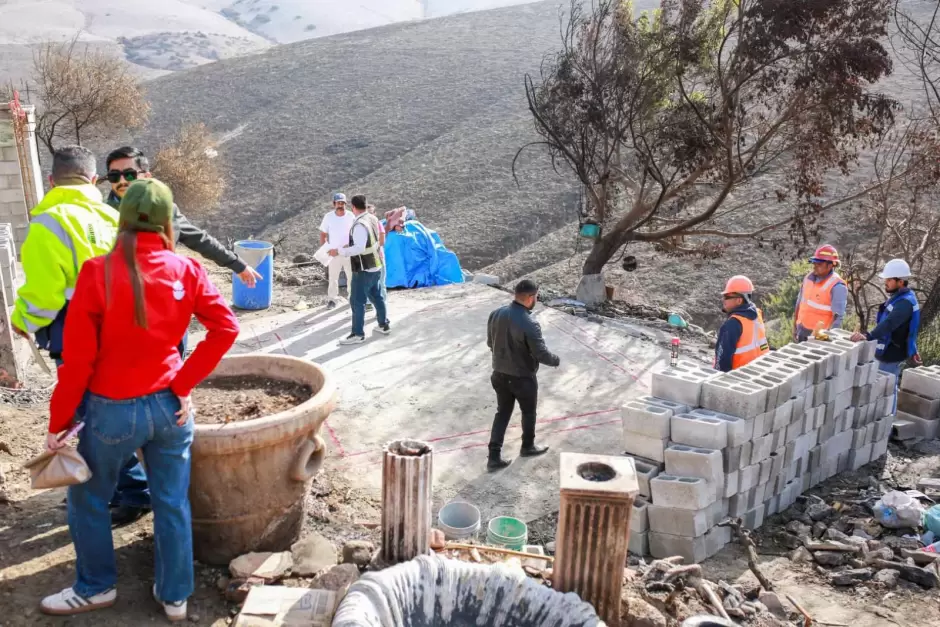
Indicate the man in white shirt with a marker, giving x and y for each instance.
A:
(334, 230)
(363, 252)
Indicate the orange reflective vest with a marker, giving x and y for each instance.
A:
(752, 343)
(815, 310)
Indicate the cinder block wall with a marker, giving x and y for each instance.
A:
(14, 200)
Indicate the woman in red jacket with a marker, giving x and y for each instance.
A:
(127, 316)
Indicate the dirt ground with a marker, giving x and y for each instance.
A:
(37, 558)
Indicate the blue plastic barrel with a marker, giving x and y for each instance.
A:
(260, 256)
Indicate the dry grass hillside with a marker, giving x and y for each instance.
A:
(427, 114)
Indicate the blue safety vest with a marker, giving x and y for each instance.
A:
(913, 324)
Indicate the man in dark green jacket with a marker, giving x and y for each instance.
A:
(125, 165)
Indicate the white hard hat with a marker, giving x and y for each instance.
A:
(896, 269)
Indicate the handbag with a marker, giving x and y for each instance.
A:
(57, 469)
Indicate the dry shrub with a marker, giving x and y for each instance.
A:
(84, 92)
(191, 167)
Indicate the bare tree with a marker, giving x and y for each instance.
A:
(191, 167)
(667, 118)
(902, 214)
(83, 91)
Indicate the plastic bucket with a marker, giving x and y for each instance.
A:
(507, 532)
(459, 521)
(258, 255)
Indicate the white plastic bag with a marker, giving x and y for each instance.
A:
(898, 510)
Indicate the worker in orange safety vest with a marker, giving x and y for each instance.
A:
(823, 296)
(742, 338)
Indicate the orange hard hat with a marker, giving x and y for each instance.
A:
(825, 253)
(739, 284)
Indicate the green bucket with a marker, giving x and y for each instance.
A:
(507, 532)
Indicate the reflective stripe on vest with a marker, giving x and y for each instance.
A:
(752, 343)
(816, 303)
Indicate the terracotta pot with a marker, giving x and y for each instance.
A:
(249, 478)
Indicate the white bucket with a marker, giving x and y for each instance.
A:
(459, 520)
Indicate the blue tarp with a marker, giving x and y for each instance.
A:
(416, 257)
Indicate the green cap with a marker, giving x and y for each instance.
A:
(147, 205)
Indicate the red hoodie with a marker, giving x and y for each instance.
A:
(108, 354)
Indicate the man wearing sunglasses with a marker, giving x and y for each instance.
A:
(125, 165)
(742, 338)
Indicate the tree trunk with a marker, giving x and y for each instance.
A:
(931, 308)
(603, 249)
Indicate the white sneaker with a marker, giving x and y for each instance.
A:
(67, 602)
(174, 611)
(352, 339)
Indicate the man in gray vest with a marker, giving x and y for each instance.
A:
(363, 253)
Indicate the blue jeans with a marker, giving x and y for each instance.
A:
(113, 431)
(365, 286)
(892, 368)
(382, 274)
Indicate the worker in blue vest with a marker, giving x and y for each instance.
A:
(898, 321)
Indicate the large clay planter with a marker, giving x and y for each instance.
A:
(249, 478)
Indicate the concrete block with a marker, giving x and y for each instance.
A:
(639, 543)
(870, 432)
(922, 381)
(860, 456)
(794, 430)
(761, 448)
(739, 430)
(635, 444)
(737, 504)
(918, 405)
(882, 428)
(764, 475)
(732, 483)
(699, 431)
(926, 429)
(797, 406)
(779, 438)
(689, 461)
(859, 437)
(679, 522)
(763, 424)
(681, 492)
(652, 421)
(646, 469)
(754, 518)
(639, 518)
(879, 449)
(744, 399)
(827, 430)
(843, 400)
(860, 375)
(757, 495)
(862, 395)
(676, 408)
(881, 383)
(734, 457)
(884, 406)
(748, 478)
(783, 416)
(679, 385)
(692, 550)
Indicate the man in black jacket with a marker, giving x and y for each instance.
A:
(518, 348)
(125, 165)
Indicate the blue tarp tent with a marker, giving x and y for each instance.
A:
(416, 257)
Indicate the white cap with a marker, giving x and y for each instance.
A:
(896, 269)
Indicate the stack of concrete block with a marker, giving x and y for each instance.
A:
(918, 413)
(747, 443)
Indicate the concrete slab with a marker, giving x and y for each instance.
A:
(430, 380)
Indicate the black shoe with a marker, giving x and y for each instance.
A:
(497, 463)
(384, 329)
(533, 450)
(125, 515)
(331, 305)
(352, 339)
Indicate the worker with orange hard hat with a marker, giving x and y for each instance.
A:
(823, 296)
(742, 338)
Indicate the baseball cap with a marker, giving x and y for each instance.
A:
(147, 205)
(339, 197)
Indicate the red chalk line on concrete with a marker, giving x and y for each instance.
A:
(479, 431)
(598, 353)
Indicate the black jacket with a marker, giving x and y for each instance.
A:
(517, 343)
(197, 240)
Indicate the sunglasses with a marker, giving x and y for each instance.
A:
(115, 176)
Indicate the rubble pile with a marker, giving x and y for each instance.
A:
(749, 442)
